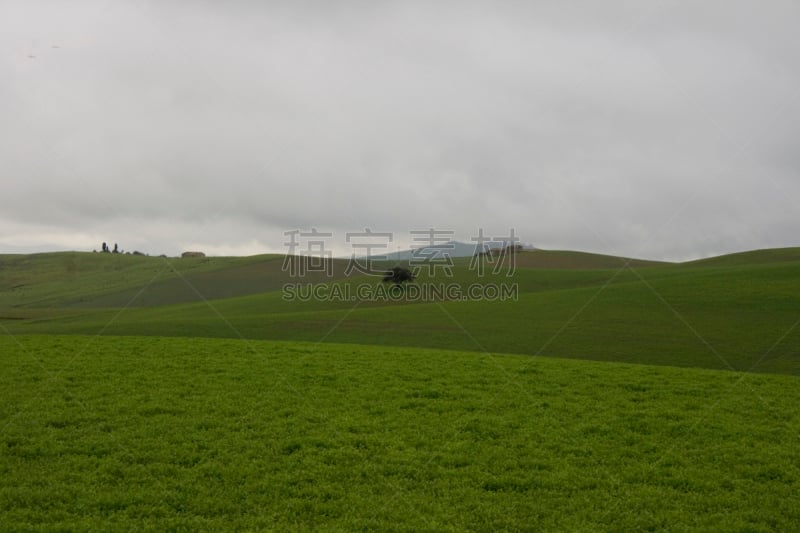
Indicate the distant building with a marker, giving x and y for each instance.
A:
(193, 254)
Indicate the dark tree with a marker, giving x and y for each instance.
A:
(116, 249)
(398, 275)
(105, 247)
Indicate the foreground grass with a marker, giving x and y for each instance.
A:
(151, 433)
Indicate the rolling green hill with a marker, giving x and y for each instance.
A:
(192, 394)
(555, 259)
(714, 314)
(74, 279)
(753, 257)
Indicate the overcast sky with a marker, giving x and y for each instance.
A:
(666, 130)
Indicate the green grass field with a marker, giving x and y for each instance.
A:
(144, 393)
(721, 315)
(135, 433)
(72, 279)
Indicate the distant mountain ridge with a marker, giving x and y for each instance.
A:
(450, 249)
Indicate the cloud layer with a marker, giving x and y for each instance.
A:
(661, 130)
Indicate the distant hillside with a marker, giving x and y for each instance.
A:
(569, 304)
(752, 257)
(528, 257)
(262, 276)
(557, 259)
(69, 279)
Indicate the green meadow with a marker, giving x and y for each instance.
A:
(147, 433)
(718, 314)
(143, 393)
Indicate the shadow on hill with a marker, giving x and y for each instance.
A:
(568, 260)
(244, 280)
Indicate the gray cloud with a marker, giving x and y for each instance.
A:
(664, 130)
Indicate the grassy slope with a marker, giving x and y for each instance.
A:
(565, 259)
(57, 279)
(734, 317)
(701, 315)
(753, 257)
(152, 433)
(264, 275)
(76, 279)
